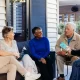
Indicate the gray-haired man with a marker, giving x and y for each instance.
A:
(72, 39)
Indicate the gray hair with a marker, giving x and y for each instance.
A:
(73, 25)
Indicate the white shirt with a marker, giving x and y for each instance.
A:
(5, 46)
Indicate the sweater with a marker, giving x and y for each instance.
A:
(39, 48)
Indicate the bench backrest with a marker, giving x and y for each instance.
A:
(23, 44)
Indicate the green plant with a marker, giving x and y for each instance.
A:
(78, 26)
(61, 28)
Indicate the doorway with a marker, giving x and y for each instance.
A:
(18, 19)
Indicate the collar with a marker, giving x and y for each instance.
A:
(74, 37)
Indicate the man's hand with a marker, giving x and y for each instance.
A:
(61, 53)
(69, 52)
(43, 60)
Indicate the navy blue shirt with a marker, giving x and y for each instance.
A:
(69, 40)
(39, 48)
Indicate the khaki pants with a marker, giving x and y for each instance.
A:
(61, 61)
(9, 65)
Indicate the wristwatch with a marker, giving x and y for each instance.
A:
(66, 53)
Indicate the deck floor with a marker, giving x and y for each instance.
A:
(65, 72)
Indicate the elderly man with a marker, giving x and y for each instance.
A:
(72, 39)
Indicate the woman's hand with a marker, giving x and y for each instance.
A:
(43, 60)
(16, 55)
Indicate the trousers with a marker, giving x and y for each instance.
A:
(9, 65)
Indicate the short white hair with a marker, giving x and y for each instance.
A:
(73, 25)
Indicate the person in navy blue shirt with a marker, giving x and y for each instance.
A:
(40, 49)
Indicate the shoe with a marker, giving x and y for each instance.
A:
(33, 76)
(60, 78)
(29, 78)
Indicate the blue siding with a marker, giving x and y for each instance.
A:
(37, 16)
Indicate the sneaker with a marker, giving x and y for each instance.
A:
(28, 78)
(35, 76)
(30, 75)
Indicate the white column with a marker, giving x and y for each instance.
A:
(52, 19)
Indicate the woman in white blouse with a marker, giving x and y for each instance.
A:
(9, 44)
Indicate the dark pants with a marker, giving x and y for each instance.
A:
(75, 75)
(46, 70)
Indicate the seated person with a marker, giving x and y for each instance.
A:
(40, 49)
(75, 74)
(10, 54)
(70, 38)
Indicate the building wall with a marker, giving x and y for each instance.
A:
(45, 13)
(38, 15)
(52, 20)
(67, 10)
(2, 16)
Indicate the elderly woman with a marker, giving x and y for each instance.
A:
(40, 49)
(9, 53)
